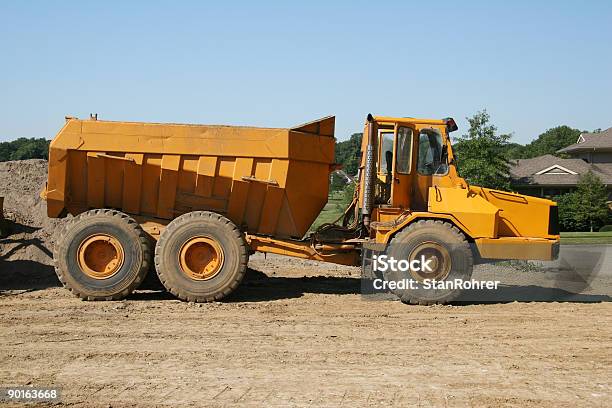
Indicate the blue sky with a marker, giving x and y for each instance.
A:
(532, 65)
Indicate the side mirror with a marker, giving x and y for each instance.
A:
(389, 158)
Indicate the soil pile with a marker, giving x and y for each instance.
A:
(31, 233)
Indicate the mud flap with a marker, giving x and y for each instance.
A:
(368, 274)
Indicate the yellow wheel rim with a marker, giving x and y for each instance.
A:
(439, 257)
(201, 258)
(100, 256)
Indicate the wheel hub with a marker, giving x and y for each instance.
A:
(437, 257)
(100, 256)
(201, 258)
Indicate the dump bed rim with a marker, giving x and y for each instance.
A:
(293, 128)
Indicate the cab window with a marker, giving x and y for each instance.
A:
(404, 150)
(432, 160)
(386, 146)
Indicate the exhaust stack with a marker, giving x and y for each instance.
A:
(369, 174)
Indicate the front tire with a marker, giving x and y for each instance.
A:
(451, 259)
(201, 256)
(102, 255)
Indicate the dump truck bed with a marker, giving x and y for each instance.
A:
(269, 181)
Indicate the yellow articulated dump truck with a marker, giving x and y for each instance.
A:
(197, 200)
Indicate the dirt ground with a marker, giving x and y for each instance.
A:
(295, 333)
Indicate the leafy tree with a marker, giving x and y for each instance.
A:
(550, 141)
(546, 143)
(592, 201)
(347, 153)
(586, 208)
(24, 148)
(480, 154)
(568, 206)
(514, 151)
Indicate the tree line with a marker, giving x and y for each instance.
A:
(24, 148)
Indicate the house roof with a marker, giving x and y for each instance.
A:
(591, 141)
(549, 170)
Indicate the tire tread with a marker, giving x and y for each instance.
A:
(129, 221)
(407, 298)
(186, 218)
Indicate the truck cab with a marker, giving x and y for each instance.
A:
(413, 154)
(415, 176)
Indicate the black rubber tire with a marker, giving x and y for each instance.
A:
(185, 227)
(136, 248)
(445, 234)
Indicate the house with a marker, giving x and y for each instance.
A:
(592, 147)
(548, 176)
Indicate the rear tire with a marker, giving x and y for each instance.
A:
(102, 255)
(455, 260)
(201, 256)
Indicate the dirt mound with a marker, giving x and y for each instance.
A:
(26, 253)
(31, 232)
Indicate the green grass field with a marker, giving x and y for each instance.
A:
(332, 210)
(586, 238)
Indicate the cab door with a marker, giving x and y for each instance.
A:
(431, 164)
(402, 181)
